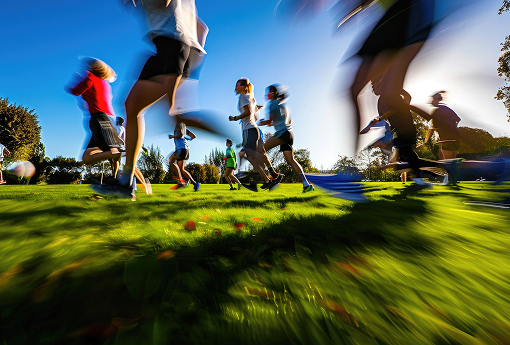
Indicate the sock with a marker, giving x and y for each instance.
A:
(304, 180)
(273, 173)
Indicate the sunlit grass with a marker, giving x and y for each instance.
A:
(410, 267)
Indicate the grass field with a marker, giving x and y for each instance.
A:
(282, 267)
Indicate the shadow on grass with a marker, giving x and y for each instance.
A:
(178, 296)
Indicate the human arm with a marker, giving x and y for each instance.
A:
(246, 113)
(81, 87)
(191, 134)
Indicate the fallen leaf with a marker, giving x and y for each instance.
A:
(205, 217)
(167, 254)
(256, 219)
(190, 225)
(217, 232)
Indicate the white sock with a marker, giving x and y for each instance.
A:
(305, 181)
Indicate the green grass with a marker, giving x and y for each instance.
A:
(410, 267)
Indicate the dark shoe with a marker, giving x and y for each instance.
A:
(233, 188)
(252, 187)
(273, 184)
(309, 188)
(196, 186)
(125, 192)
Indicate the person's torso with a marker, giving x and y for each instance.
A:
(182, 142)
(177, 21)
(397, 121)
(231, 157)
(281, 120)
(248, 121)
(444, 120)
(98, 96)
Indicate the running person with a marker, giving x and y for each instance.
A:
(95, 89)
(181, 154)
(445, 122)
(230, 165)
(279, 116)
(247, 106)
(173, 30)
(3, 152)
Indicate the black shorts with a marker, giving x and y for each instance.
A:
(181, 154)
(450, 146)
(288, 139)
(403, 24)
(172, 57)
(103, 134)
(251, 138)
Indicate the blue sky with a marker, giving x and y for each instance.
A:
(42, 42)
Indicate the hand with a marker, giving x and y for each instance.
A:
(231, 118)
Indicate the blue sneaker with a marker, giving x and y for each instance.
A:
(196, 186)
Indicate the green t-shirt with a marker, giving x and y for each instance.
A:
(231, 158)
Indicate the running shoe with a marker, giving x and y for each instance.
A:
(251, 186)
(273, 184)
(3, 182)
(119, 191)
(233, 188)
(280, 178)
(420, 182)
(196, 186)
(308, 188)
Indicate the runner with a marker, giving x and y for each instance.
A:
(95, 89)
(445, 122)
(230, 162)
(251, 135)
(3, 152)
(181, 154)
(173, 30)
(279, 117)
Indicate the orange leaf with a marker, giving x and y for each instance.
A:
(167, 254)
(190, 225)
(205, 217)
(256, 219)
(217, 232)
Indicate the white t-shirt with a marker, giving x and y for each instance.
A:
(249, 121)
(177, 21)
(2, 148)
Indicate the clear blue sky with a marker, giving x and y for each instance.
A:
(42, 41)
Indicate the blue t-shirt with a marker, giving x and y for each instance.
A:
(182, 142)
(281, 119)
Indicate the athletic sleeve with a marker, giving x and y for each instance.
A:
(82, 86)
(274, 109)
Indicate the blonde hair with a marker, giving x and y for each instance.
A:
(180, 126)
(101, 69)
(245, 82)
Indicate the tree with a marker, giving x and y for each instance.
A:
(41, 164)
(216, 159)
(197, 171)
(151, 164)
(19, 130)
(346, 165)
(63, 170)
(504, 66)
(302, 157)
(212, 174)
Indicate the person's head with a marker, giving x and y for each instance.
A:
(244, 86)
(100, 69)
(437, 98)
(277, 92)
(229, 142)
(119, 121)
(181, 127)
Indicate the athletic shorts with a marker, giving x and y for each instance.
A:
(103, 133)
(450, 146)
(406, 22)
(172, 57)
(251, 138)
(288, 139)
(181, 154)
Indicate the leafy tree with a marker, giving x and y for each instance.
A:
(212, 174)
(41, 164)
(346, 165)
(504, 66)
(216, 159)
(63, 170)
(197, 171)
(19, 130)
(152, 165)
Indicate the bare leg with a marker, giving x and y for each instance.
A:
(229, 176)
(298, 169)
(184, 172)
(143, 94)
(255, 159)
(95, 154)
